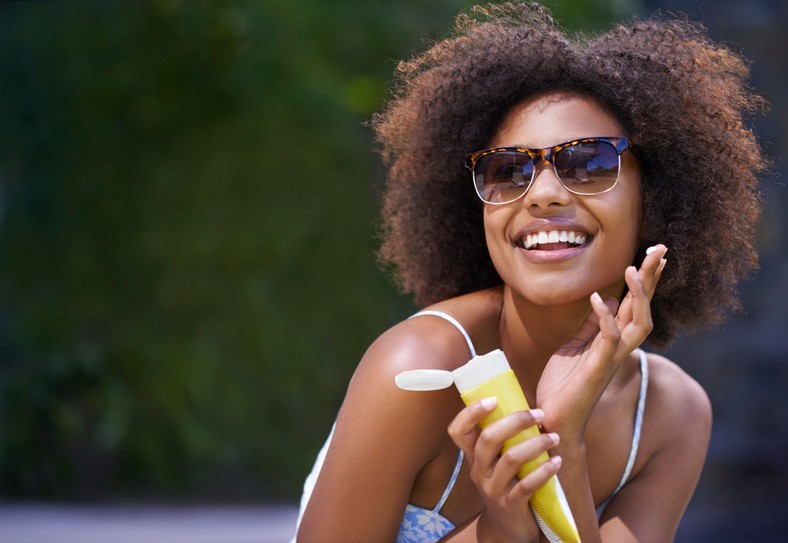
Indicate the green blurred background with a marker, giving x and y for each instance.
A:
(188, 199)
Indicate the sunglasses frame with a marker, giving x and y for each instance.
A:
(619, 143)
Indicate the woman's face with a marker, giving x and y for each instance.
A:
(557, 273)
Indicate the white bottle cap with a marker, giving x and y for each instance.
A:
(480, 369)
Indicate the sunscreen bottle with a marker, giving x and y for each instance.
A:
(490, 375)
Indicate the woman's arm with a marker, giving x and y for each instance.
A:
(384, 436)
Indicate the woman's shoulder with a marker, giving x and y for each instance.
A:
(424, 342)
(438, 336)
(674, 386)
(678, 407)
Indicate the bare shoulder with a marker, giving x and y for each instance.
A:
(424, 342)
(429, 341)
(678, 409)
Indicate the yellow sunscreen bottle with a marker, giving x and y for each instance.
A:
(490, 375)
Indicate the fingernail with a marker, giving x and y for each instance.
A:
(489, 403)
(651, 249)
(554, 438)
(596, 298)
(537, 414)
(556, 460)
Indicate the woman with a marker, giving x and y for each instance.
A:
(536, 183)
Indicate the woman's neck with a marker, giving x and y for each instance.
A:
(530, 334)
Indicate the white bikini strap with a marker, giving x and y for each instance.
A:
(452, 320)
(633, 450)
(450, 486)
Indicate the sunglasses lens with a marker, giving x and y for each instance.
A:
(503, 177)
(588, 167)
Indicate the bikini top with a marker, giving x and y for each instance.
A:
(421, 525)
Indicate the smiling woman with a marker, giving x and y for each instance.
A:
(537, 184)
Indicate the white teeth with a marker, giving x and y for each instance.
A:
(554, 236)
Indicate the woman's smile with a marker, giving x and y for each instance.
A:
(552, 240)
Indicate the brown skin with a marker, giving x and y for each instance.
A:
(571, 351)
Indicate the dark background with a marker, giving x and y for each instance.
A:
(188, 204)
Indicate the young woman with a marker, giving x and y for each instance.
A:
(540, 189)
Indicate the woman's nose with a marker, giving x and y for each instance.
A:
(546, 188)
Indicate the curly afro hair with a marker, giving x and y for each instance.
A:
(681, 98)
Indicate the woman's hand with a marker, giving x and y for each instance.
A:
(579, 372)
(506, 516)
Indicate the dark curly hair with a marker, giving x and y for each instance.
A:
(681, 98)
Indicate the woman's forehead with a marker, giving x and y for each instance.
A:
(547, 119)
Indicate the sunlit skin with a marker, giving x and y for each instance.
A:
(570, 334)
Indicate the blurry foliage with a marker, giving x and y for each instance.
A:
(188, 199)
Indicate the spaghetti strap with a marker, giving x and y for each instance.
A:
(460, 455)
(453, 321)
(633, 450)
(450, 486)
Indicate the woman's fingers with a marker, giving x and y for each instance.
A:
(640, 324)
(591, 326)
(649, 274)
(535, 480)
(657, 277)
(491, 439)
(491, 470)
(511, 462)
(464, 429)
(599, 364)
(651, 269)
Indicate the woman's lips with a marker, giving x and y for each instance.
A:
(553, 253)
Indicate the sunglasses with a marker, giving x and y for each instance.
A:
(585, 166)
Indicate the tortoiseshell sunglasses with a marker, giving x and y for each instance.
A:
(585, 166)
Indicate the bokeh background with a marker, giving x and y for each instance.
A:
(188, 199)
